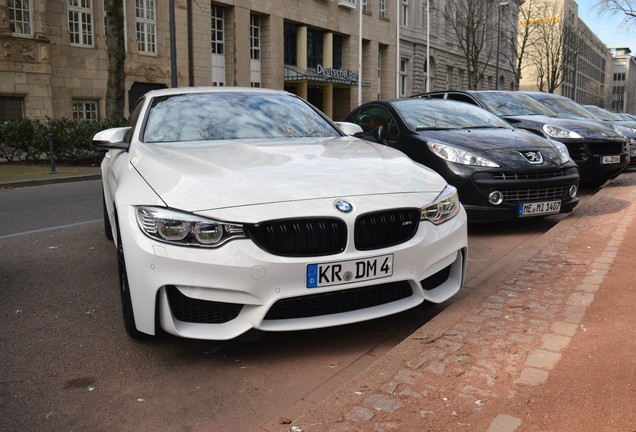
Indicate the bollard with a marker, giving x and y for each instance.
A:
(51, 153)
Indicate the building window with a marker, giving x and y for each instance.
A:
(218, 35)
(382, 8)
(365, 6)
(290, 44)
(404, 67)
(80, 22)
(337, 52)
(255, 37)
(20, 17)
(404, 12)
(314, 48)
(11, 108)
(85, 110)
(146, 26)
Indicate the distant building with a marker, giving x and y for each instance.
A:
(446, 58)
(53, 56)
(623, 86)
(586, 60)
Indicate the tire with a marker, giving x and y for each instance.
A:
(124, 291)
(108, 229)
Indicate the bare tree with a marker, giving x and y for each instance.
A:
(470, 22)
(520, 40)
(626, 7)
(116, 87)
(552, 47)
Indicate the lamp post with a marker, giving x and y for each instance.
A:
(501, 4)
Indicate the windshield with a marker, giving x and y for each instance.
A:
(232, 115)
(425, 114)
(567, 108)
(506, 104)
(601, 113)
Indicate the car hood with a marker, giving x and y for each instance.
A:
(504, 146)
(213, 175)
(587, 129)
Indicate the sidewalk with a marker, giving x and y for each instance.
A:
(546, 344)
(21, 175)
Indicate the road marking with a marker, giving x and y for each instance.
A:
(41, 230)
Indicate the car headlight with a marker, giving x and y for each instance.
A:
(563, 151)
(453, 154)
(623, 131)
(185, 229)
(445, 207)
(558, 132)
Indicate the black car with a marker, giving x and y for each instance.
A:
(610, 117)
(567, 108)
(600, 151)
(501, 173)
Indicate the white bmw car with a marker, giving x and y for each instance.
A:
(235, 209)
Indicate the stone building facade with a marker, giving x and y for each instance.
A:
(623, 84)
(54, 62)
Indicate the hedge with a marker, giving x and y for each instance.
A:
(26, 140)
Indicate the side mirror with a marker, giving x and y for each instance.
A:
(350, 129)
(110, 139)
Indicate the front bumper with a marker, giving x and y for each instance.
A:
(239, 286)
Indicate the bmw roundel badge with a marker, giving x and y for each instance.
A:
(343, 206)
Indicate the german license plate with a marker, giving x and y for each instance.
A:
(539, 208)
(343, 272)
(607, 160)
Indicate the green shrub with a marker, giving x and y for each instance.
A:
(27, 140)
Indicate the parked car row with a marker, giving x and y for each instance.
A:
(234, 209)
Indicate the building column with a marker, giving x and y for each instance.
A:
(241, 37)
(5, 29)
(327, 62)
(301, 59)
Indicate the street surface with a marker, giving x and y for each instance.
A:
(67, 364)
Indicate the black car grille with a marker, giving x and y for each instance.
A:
(384, 229)
(515, 176)
(300, 237)
(328, 236)
(606, 148)
(534, 194)
(191, 310)
(335, 302)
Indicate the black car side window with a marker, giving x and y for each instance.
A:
(370, 120)
(461, 98)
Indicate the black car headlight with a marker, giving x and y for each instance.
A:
(557, 132)
(563, 151)
(445, 207)
(457, 155)
(185, 229)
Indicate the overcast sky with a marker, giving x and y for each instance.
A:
(608, 27)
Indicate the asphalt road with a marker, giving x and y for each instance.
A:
(66, 362)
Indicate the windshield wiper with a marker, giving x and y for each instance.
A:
(423, 128)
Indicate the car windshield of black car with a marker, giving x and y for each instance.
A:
(232, 115)
(427, 114)
(513, 104)
(567, 108)
(602, 114)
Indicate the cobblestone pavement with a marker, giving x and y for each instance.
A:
(506, 334)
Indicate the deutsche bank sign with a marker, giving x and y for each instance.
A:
(337, 73)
